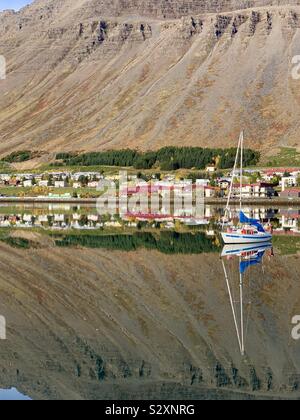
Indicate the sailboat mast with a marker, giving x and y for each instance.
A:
(241, 169)
(232, 180)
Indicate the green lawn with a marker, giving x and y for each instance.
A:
(286, 157)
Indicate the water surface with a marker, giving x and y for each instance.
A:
(146, 311)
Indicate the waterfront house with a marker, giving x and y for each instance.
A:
(77, 185)
(60, 184)
(93, 184)
(288, 182)
(257, 190)
(210, 192)
(211, 169)
(27, 183)
(290, 193)
(43, 183)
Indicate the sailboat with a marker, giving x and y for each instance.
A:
(250, 230)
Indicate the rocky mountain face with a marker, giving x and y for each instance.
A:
(92, 75)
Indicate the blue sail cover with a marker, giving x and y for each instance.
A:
(244, 265)
(253, 222)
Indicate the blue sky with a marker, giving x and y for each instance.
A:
(13, 4)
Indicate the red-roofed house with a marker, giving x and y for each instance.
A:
(290, 193)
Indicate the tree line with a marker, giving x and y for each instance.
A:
(167, 158)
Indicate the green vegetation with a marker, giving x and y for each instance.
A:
(165, 242)
(286, 157)
(287, 245)
(168, 158)
(17, 242)
(17, 157)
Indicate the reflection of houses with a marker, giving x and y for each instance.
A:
(290, 218)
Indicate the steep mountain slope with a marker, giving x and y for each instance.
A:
(92, 75)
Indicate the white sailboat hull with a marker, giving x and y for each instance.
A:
(239, 238)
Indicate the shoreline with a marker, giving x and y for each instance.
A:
(210, 201)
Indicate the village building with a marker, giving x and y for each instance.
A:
(211, 169)
(290, 193)
(43, 183)
(77, 185)
(27, 183)
(60, 184)
(258, 190)
(288, 182)
(93, 184)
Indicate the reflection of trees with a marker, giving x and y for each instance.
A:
(166, 242)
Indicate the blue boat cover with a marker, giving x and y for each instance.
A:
(244, 265)
(253, 222)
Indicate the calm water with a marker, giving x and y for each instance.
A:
(101, 308)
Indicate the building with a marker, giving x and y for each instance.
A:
(43, 184)
(290, 193)
(224, 184)
(60, 184)
(258, 190)
(211, 169)
(288, 182)
(93, 184)
(210, 192)
(27, 183)
(77, 185)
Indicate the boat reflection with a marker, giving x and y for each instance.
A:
(248, 255)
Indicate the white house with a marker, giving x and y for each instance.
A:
(60, 184)
(211, 169)
(43, 183)
(202, 182)
(288, 182)
(93, 184)
(27, 183)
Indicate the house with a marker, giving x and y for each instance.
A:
(290, 193)
(210, 192)
(93, 184)
(224, 184)
(288, 182)
(43, 184)
(258, 190)
(27, 183)
(60, 184)
(211, 169)
(202, 182)
(77, 185)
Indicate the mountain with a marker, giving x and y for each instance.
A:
(87, 75)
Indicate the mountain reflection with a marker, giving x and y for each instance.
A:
(146, 315)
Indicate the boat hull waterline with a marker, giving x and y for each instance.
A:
(238, 238)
